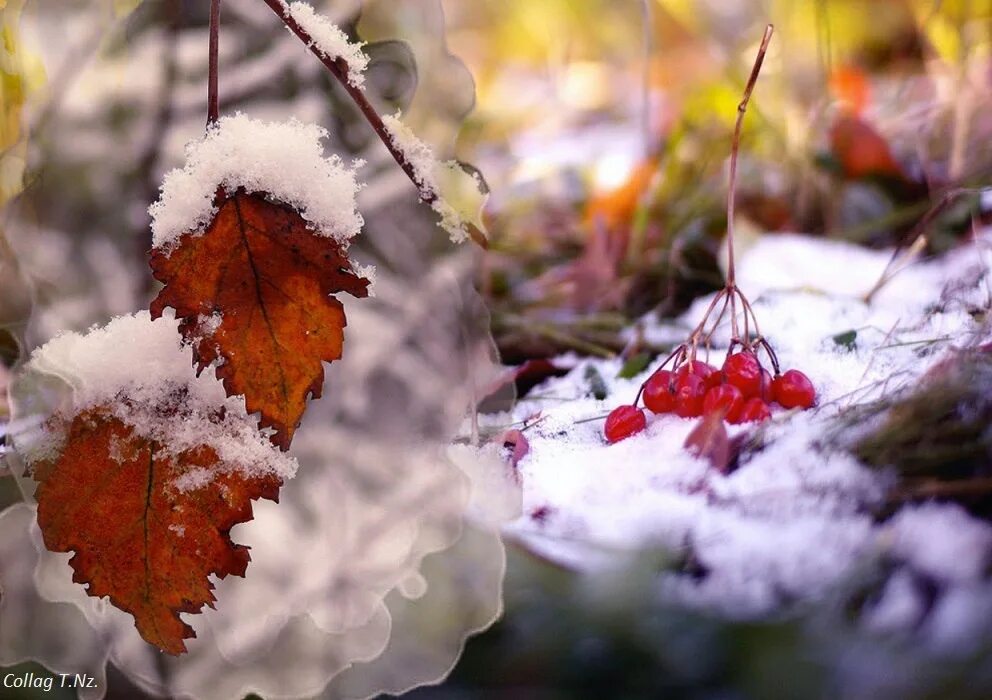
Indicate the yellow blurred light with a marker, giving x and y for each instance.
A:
(585, 85)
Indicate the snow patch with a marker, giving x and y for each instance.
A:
(284, 160)
(797, 516)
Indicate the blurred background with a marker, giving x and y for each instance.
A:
(603, 131)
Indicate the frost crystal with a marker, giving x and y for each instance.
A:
(284, 160)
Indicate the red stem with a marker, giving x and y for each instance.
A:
(213, 111)
(338, 67)
(741, 109)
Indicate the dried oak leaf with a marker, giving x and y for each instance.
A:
(253, 291)
(110, 498)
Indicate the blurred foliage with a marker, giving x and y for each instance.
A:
(610, 636)
(21, 74)
(938, 436)
(604, 130)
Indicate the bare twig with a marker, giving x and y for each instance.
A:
(213, 110)
(338, 67)
(741, 109)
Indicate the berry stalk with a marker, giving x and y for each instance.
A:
(735, 147)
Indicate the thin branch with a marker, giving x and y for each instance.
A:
(741, 109)
(338, 67)
(213, 109)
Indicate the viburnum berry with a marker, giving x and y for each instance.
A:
(623, 422)
(701, 369)
(755, 411)
(690, 390)
(727, 398)
(744, 371)
(659, 393)
(766, 393)
(715, 379)
(793, 389)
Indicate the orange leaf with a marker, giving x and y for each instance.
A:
(111, 497)
(861, 150)
(268, 277)
(851, 88)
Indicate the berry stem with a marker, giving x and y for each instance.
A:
(741, 109)
(213, 110)
(680, 350)
(338, 67)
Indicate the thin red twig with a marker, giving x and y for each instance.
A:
(213, 110)
(741, 109)
(338, 67)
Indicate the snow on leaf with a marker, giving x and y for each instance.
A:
(268, 276)
(286, 160)
(111, 498)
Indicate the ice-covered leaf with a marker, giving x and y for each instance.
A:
(252, 292)
(146, 531)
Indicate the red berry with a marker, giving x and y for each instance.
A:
(701, 369)
(794, 390)
(755, 411)
(659, 394)
(727, 398)
(715, 379)
(744, 371)
(623, 422)
(766, 394)
(689, 392)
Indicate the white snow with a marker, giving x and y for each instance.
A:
(139, 370)
(330, 41)
(457, 195)
(285, 160)
(795, 518)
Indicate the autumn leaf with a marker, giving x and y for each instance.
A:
(112, 497)
(252, 291)
(709, 441)
(861, 150)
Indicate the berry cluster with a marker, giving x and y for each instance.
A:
(742, 390)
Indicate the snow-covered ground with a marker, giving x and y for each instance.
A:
(795, 519)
